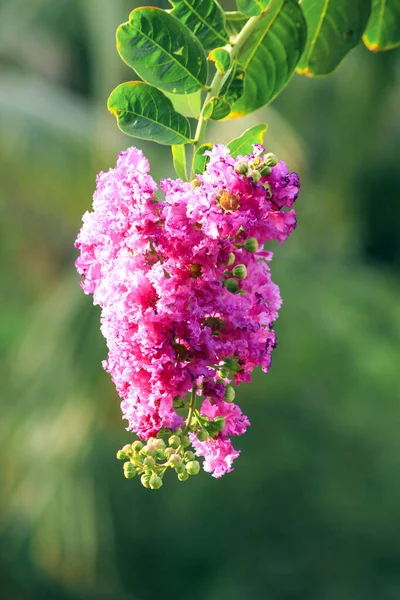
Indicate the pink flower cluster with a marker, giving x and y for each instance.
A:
(159, 270)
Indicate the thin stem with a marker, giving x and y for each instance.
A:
(219, 78)
(192, 407)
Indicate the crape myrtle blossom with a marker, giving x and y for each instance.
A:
(188, 304)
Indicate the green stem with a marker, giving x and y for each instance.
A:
(219, 79)
(192, 407)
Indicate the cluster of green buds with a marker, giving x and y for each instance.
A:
(261, 166)
(151, 460)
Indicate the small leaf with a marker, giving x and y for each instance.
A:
(144, 112)
(234, 22)
(270, 55)
(205, 18)
(252, 8)
(162, 51)
(383, 29)
(233, 88)
(244, 144)
(334, 28)
(199, 160)
(216, 109)
(188, 105)
(179, 160)
(221, 58)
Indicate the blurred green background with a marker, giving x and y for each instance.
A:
(312, 511)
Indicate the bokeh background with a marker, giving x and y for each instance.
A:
(312, 511)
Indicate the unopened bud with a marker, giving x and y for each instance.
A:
(169, 451)
(145, 480)
(195, 183)
(175, 460)
(254, 176)
(265, 170)
(185, 441)
(127, 449)
(223, 372)
(155, 482)
(231, 259)
(188, 455)
(174, 441)
(239, 271)
(129, 470)
(229, 395)
(137, 446)
(202, 435)
(270, 159)
(241, 167)
(231, 285)
(183, 476)
(193, 467)
(121, 455)
(149, 462)
(219, 423)
(251, 245)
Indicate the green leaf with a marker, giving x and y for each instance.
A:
(188, 105)
(205, 18)
(199, 160)
(244, 143)
(383, 29)
(270, 55)
(334, 27)
(162, 51)
(221, 58)
(233, 88)
(252, 8)
(179, 160)
(234, 22)
(216, 109)
(144, 112)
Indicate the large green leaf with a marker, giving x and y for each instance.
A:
(252, 8)
(163, 51)
(244, 143)
(179, 160)
(186, 104)
(205, 18)
(334, 27)
(270, 55)
(383, 29)
(144, 112)
(216, 109)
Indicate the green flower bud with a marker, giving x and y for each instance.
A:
(160, 454)
(195, 183)
(251, 245)
(180, 469)
(202, 435)
(149, 463)
(145, 480)
(239, 271)
(160, 444)
(127, 449)
(270, 160)
(229, 394)
(265, 170)
(183, 476)
(121, 455)
(175, 460)
(169, 451)
(137, 446)
(231, 259)
(231, 285)
(185, 441)
(174, 441)
(254, 176)
(188, 455)
(193, 467)
(219, 423)
(129, 470)
(155, 482)
(241, 167)
(223, 372)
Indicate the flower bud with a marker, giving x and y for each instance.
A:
(183, 476)
(145, 480)
(160, 454)
(202, 435)
(121, 455)
(265, 170)
(127, 449)
(254, 176)
(229, 395)
(129, 470)
(155, 482)
(175, 460)
(251, 245)
(185, 441)
(231, 259)
(149, 463)
(137, 446)
(231, 285)
(195, 183)
(223, 372)
(270, 160)
(160, 444)
(169, 451)
(219, 423)
(174, 441)
(188, 455)
(193, 467)
(241, 167)
(239, 271)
